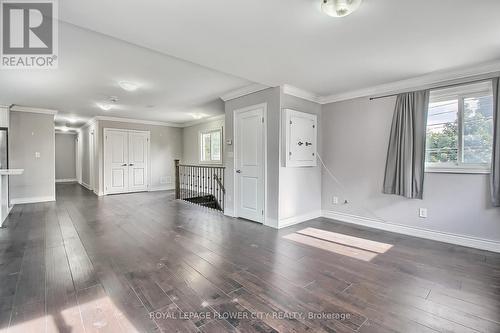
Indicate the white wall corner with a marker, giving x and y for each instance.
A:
(462, 240)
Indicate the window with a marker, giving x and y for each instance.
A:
(460, 129)
(211, 146)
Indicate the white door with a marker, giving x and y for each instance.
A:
(249, 163)
(138, 161)
(116, 173)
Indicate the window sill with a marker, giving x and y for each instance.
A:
(458, 170)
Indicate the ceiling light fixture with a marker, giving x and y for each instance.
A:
(340, 8)
(104, 106)
(128, 86)
(198, 115)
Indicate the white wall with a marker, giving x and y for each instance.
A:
(355, 139)
(30, 133)
(190, 140)
(300, 188)
(65, 157)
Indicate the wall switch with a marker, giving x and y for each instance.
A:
(422, 212)
(335, 200)
(37, 154)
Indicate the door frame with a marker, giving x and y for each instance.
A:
(264, 158)
(148, 148)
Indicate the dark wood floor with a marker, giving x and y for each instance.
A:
(145, 262)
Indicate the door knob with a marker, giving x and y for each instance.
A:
(131, 164)
(124, 164)
(238, 171)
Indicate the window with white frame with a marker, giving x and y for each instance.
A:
(460, 129)
(211, 146)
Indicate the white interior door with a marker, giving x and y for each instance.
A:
(249, 163)
(138, 154)
(116, 173)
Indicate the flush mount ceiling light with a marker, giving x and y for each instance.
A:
(198, 115)
(340, 8)
(128, 86)
(104, 106)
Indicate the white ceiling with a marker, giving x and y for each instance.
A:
(291, 42)
(237, 43)
(92, 64)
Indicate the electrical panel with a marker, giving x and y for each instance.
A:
(301, 139)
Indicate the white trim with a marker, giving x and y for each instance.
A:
(86, 186)
(479, 171)
(478, 243)
(283, 223)
(161, 188)
(250, 89)
(20, 201)
(68, 180)
(202, 121)
(58, 131)
(137, 121)
(432, 80)
(301, 93)
(17, 108)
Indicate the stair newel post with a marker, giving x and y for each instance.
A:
(177, 180)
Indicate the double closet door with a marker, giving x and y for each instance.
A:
(126, 161)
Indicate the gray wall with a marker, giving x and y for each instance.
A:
(65, 156)
(300, 188)
(272, 97)
(355, 138)
(30, 133)
(190, 140)
(166, 146)
(84, 138)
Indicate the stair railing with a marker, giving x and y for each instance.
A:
(200, 184)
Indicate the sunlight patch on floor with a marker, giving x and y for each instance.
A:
(354, 247)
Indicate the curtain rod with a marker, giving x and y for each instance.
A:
(438, 87)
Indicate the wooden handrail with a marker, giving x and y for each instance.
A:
(202, 166)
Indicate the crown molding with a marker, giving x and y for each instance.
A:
(431, 80)
(18, 108)
(300, 93)
(204, 120)
(137, 121)
(243, 91)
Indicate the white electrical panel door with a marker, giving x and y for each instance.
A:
(301, 139)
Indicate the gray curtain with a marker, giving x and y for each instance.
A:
(405, 167)
(495, 162)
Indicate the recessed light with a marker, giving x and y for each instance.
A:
(105, 106)
(339, 8)
(128, 86)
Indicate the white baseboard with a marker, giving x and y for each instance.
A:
(477, 243)
(161, 188)
(86, 186)
(70, 180)
(20, 201)
(299, 219)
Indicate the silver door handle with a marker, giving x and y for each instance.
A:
(130, 164)
(238, 171)
(124, 164)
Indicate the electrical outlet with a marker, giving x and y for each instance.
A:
(422, 212)
(335, 200)
(37, 154)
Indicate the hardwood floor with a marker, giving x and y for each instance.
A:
(147, 263)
